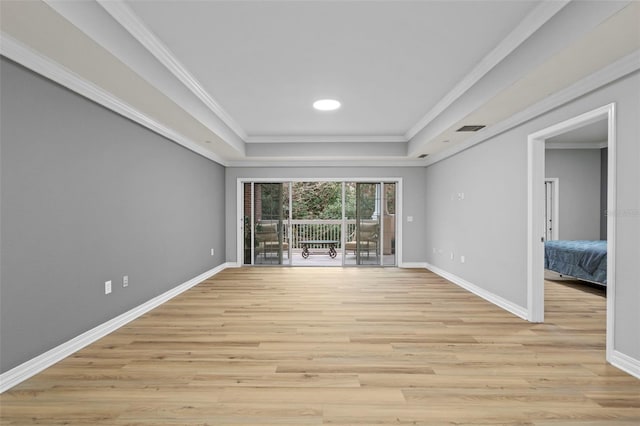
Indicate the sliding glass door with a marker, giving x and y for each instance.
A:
(266, 223)
(363, 220)
(319, 223)
(388, 223)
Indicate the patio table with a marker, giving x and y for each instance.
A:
(331, 243)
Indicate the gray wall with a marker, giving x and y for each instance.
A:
(490, 225)
(413, 202)
(578, 173)
(89, 196)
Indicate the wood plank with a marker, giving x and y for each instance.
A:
(339, 346)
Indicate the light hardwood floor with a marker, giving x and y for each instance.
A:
(338, 346)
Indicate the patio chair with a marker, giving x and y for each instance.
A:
(368, 239)
(267, 239)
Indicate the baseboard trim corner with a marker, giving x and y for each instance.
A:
(35, 365)
(626, 363)
(501, 302)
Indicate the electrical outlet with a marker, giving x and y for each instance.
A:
(107, 287)
(452, 256)
(213, 252)
(462, 259)
(125, 281)
(409, 218)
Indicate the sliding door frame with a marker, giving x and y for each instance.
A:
(240, 209)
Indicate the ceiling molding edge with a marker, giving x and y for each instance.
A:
(576, 145)
(604, 76)
(24, 55)
(123, 14)
(361, 162)
(91, 29)
(529, 25)
(323, 139)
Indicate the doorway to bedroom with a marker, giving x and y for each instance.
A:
(311, 222)
(571, 186)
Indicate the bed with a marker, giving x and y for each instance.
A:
(584, 260)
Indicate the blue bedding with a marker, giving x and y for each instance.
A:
(586, 260)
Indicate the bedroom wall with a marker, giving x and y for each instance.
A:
(578, 171)
(413, 247)
(89, 196)
(490, 225)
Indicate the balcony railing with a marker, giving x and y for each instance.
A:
(304, 230)
(316, 229)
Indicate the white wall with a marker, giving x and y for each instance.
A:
(413, 200)
(578, 171)
(490, 225)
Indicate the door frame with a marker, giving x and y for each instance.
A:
(240, 207)
(535, 214)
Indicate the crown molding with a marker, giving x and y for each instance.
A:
(532, 22)
(326, 162)
(130, 22)
(576, 145)
(24, 55)
(97, 24)
(325, 139)
(29, 58)
(126, 17)
(608, 74)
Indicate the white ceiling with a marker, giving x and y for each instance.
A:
(389, 63)
(235, 80)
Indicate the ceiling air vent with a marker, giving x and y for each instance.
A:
(473, 128)
(423, 155)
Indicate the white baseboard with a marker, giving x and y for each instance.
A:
(413, 265)
(35, 365)
(478, 291)
(32, 367)
(618, 359)
(625, 363)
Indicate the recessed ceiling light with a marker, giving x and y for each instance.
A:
(326, 104)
